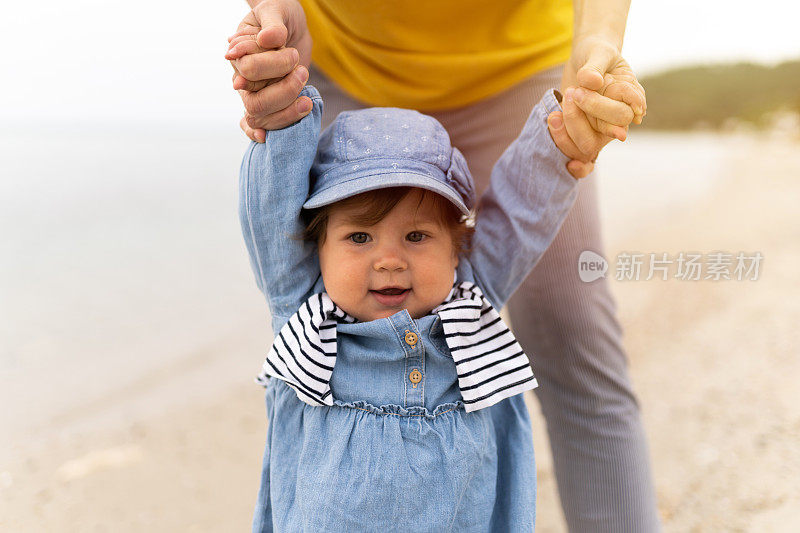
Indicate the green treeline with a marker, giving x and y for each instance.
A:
(711, 96)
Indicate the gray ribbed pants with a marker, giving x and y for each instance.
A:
(568, 327)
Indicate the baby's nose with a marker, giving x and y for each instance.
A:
(390, 258)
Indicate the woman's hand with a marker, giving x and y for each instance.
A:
(602, 97)
(596, 65)
(575, 128)
(270, 54)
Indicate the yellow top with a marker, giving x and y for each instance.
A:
(436, 54)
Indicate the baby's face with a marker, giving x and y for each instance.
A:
(405, 261)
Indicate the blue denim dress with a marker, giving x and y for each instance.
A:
(391, 454)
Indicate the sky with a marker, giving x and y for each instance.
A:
(156, 60)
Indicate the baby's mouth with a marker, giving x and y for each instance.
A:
(390, 296)
(391, 291)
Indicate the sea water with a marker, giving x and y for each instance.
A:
(124, 282)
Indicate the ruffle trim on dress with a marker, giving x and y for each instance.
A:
(397, 410)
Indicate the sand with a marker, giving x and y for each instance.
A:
(714, 363)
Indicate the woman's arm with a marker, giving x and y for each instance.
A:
(596, 63)
(273, 185)
(598, 33)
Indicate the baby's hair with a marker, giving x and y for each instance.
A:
(375, 205)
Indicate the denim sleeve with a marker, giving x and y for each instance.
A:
(273, 185)
(529, 196)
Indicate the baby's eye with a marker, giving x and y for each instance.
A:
(358, 238)
(415, 236)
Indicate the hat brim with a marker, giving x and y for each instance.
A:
(373, 182)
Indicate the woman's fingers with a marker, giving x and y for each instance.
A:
(267, 65)
(241, 83)
(610, 130)
(276, 97)
(274, 35)
(631, 94)
(603, 108)
(255, 64)
(257, 135)
(602, 55)
(265, 25)
(285, 117)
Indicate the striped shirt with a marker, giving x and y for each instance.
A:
(490, 363)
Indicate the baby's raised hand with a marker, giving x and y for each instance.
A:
(580, 165)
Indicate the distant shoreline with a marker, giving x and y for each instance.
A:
(724, 97)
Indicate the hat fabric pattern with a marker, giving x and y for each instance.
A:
(381, 147)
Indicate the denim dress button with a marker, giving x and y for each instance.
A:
(411, 338)
(415, 376)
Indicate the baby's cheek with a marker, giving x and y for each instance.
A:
(440, 285)
(332, 278)
(352, 277)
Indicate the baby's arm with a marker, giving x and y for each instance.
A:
(273, 185)
(529, 196)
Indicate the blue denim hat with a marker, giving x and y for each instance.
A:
(382, 147)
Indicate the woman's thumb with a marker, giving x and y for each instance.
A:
(592, 73)
(273, 32)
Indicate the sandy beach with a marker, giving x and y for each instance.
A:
(714, 363)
